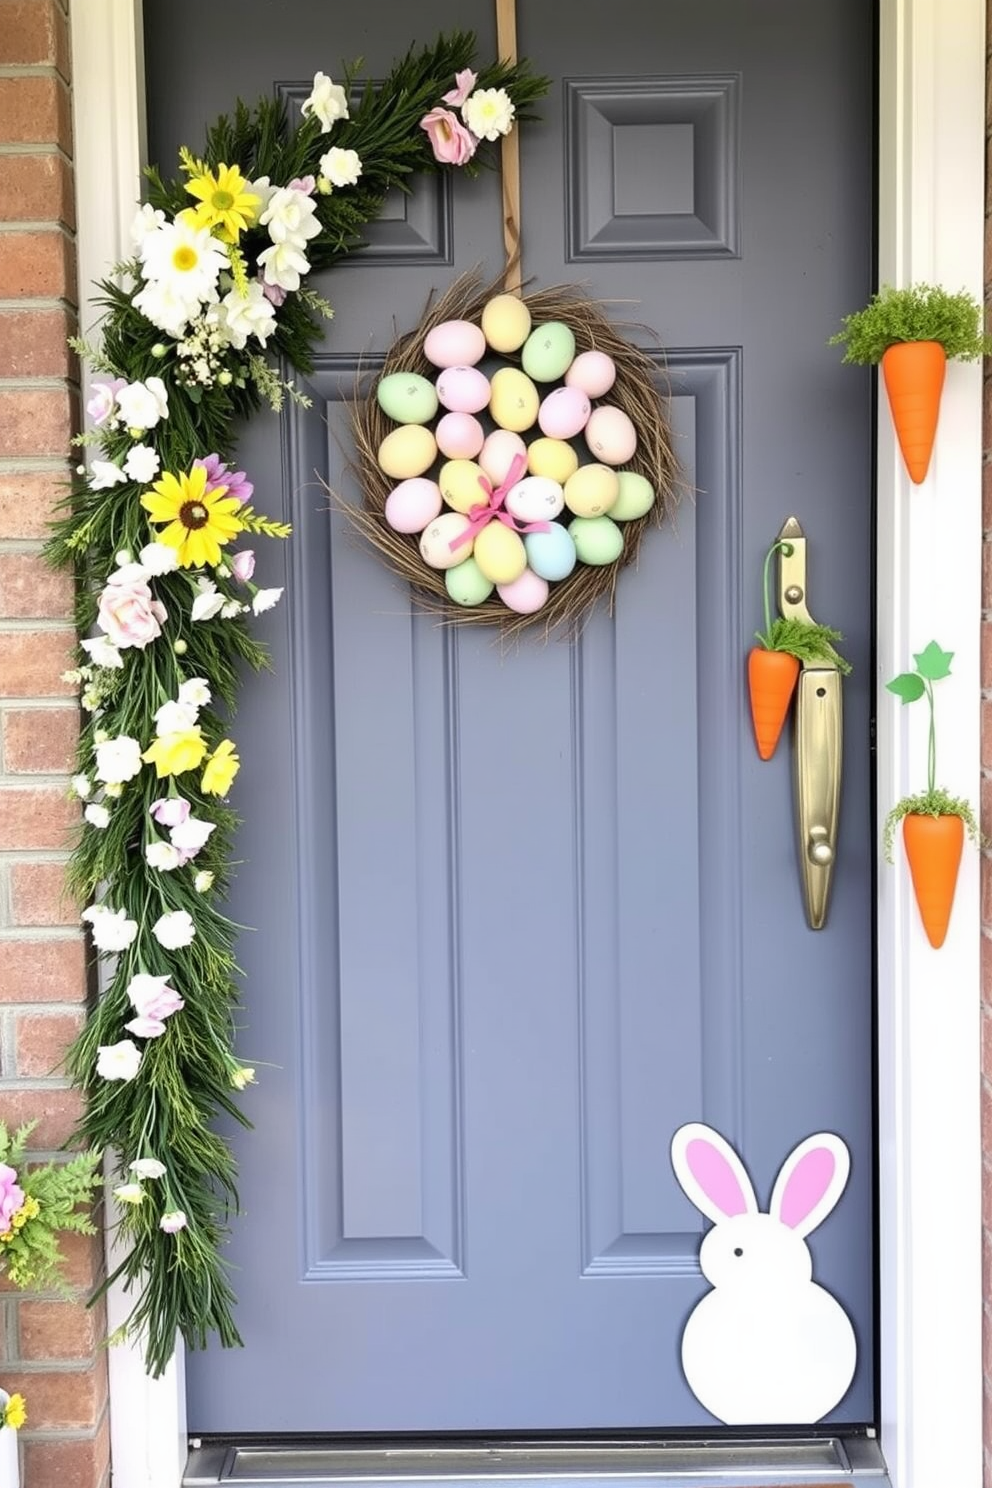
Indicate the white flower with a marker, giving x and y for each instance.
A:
(165, 307)
(242, 1076)
(174, 930)
(118, 1062)
(185, 259)
(128, 1193)
(82, 785)
(102, 652)
(208, 602)
(189, 836)
(195, 691)
(163, 856)
(146, 220)
(97, 815)
(203, 881)
(174, 718)
(142, 464)
(233, 608)
(283, 264)
(112, 931)
(158, 558)
(327, 102)
(118, 760)
(291, 217)
(147, 1167)
(263, 189)
(265, 599)
(142, 404)
(104, 474)
(489, 112)
(341, 167)
(113, 791)
(242, 315)
(173, 1221)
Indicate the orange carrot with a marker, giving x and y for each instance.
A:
(914, 377)
(771, 679)
(933, 847)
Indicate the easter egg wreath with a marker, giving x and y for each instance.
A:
(195, 325)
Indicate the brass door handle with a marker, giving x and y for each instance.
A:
(818, 746)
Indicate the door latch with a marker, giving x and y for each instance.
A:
(818, 739)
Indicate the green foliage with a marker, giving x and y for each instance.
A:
(921, 312)
(805, 640)
(934, 802)
(29, 1249)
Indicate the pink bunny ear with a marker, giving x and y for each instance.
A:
(711, 1173)
(810, 1182)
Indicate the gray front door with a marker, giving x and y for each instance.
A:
(520, 916)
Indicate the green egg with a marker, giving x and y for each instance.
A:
(548, 351)
(467, 584)
(407, 398)
(598, 540)
(636, 497)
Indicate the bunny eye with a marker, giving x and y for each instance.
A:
(738, 1251)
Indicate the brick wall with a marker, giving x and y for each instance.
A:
(50, 1348)
(986, 813)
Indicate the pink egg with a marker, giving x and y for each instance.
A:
(412, 504)
(497, 454)
(593, 373)
(455, 343)
(564, 413)
(459, 436)
(611, 436)
(463, 389)
(525, 595)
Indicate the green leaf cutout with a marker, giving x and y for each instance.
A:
(933, 663)
(908, 685)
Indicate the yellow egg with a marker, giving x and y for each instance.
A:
(500, 554)
(506, 323)
(407, 451)
(514, 402)
(552, 458)
(592, 490)
(459, 482)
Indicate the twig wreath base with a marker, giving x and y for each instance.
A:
(571, 599)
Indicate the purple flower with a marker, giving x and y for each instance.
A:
(273, 292)
(218, 475)
(306, 184)
(103, 396)
(11, 1196)
(243, 565)
(169, 811)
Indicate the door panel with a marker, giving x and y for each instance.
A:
(520, 915)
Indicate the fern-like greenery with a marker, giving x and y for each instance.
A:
(935, 802)
(804, 639)
(53, 1194)
(921, 312)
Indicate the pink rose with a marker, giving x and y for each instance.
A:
(464, 83)
(451, 142)
(128, 614)
(11, 1196)
(243, 565)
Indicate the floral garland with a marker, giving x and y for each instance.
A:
(193, 322)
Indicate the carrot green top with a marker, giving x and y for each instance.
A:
(803, 639)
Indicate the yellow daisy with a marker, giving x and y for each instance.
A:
(224, 202)
(200, 522)
(14, 1413)
(220, 770)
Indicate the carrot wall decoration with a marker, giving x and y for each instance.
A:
(934, 822)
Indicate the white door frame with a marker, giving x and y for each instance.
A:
(931, 227)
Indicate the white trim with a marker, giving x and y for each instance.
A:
(932, 130)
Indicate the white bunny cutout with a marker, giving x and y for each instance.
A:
(767, 1346)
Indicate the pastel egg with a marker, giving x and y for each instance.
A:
(499, 553)
(548, 351)
(636, 497)
(593, 372)
(459, 482)
(467, 584)
(525, 595)
(407, 397)
(552, 458)
(463, 389)
(460, 436)
(436, 543)
(454, 343)
(597, 540)
(506, 322)
(535, 499)
(564, 413)
(551, 554)
(412, 504)
(498, 452)
(592, 490)
(610, 435)
(514, 401)
(407, 451)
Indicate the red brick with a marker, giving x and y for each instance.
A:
(987, 653)
(34, 343)
(40, 741)
(34, 33)
(986, 1119)
(987, 493)
(56, 1111)
(37, 264)
(32, 663)
(987, 735)
(82, 1260)
(37, 817)
(37, 421)
(59, 1330)
(28, 500)
(35, 111)
(38, 895)
(31, 589)
(43, 971)
(79, 1462)
(987, 574)
(41, 1041)
(37, 188)
(62, 1398)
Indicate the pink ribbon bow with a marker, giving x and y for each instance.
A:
(482, 514)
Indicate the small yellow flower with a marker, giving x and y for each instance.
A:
(222, 766)
(200, 522)
(14, 1412)
(174, 754)
(224, 202)
(7, 1236)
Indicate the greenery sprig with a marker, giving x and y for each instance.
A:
(804, 639)
(920, 312)
(38, 1203)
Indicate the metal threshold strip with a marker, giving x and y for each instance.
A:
(855, 1461)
